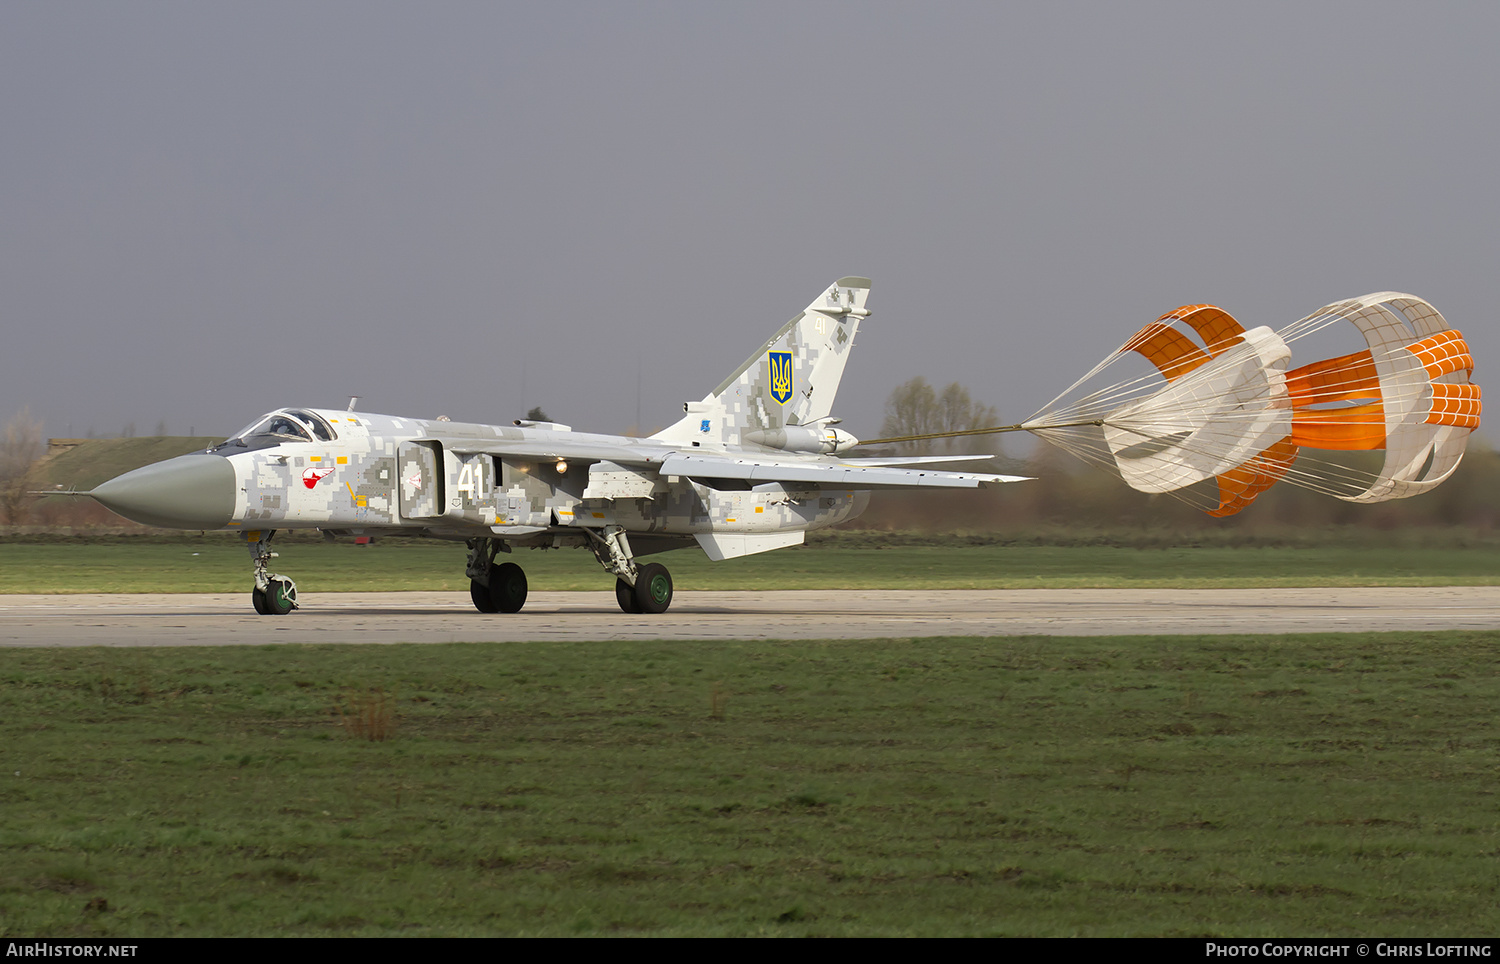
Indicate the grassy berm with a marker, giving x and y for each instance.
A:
(1296, 785)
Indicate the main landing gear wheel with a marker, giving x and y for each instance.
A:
(653, 588)
(507, 588)
(625, 596)
(494, 589)
(480, 593)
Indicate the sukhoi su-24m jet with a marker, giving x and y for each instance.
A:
(754, 465)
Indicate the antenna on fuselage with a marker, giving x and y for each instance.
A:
(352, 400)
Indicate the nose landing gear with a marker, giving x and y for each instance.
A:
(274, 594)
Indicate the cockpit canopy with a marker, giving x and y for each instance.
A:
(284, 425)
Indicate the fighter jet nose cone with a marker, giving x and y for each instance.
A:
(188, 492)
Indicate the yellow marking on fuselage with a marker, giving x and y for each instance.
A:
(351, 491)
(343, 460)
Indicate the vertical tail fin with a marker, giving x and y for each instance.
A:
(790, 380)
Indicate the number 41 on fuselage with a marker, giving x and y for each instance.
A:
(754, 465)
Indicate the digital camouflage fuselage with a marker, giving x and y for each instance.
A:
(751, 467)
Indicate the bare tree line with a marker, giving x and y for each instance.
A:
(916, 408)
(20, 446)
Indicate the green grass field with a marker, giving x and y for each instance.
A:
(1234, 786)
(1238, 785)
(216, 563)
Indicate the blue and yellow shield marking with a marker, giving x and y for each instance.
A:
(781, 375)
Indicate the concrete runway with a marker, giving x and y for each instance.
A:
(426, 617)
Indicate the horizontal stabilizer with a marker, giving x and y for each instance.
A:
(915, 459)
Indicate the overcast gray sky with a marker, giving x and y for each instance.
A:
(208, 210)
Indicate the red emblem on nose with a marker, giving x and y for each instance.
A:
(311, 476)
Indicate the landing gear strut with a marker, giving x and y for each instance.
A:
(638, 589)
(494, 589)
(273, 595)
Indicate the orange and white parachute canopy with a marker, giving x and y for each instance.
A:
(1223, 403)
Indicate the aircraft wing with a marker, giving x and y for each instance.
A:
(833, 473)
(874, 473)
(631, 452)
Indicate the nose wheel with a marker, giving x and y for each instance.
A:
(277, 599)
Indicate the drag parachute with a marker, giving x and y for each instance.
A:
(1224, 413)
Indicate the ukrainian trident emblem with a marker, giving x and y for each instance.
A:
(781, 376)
